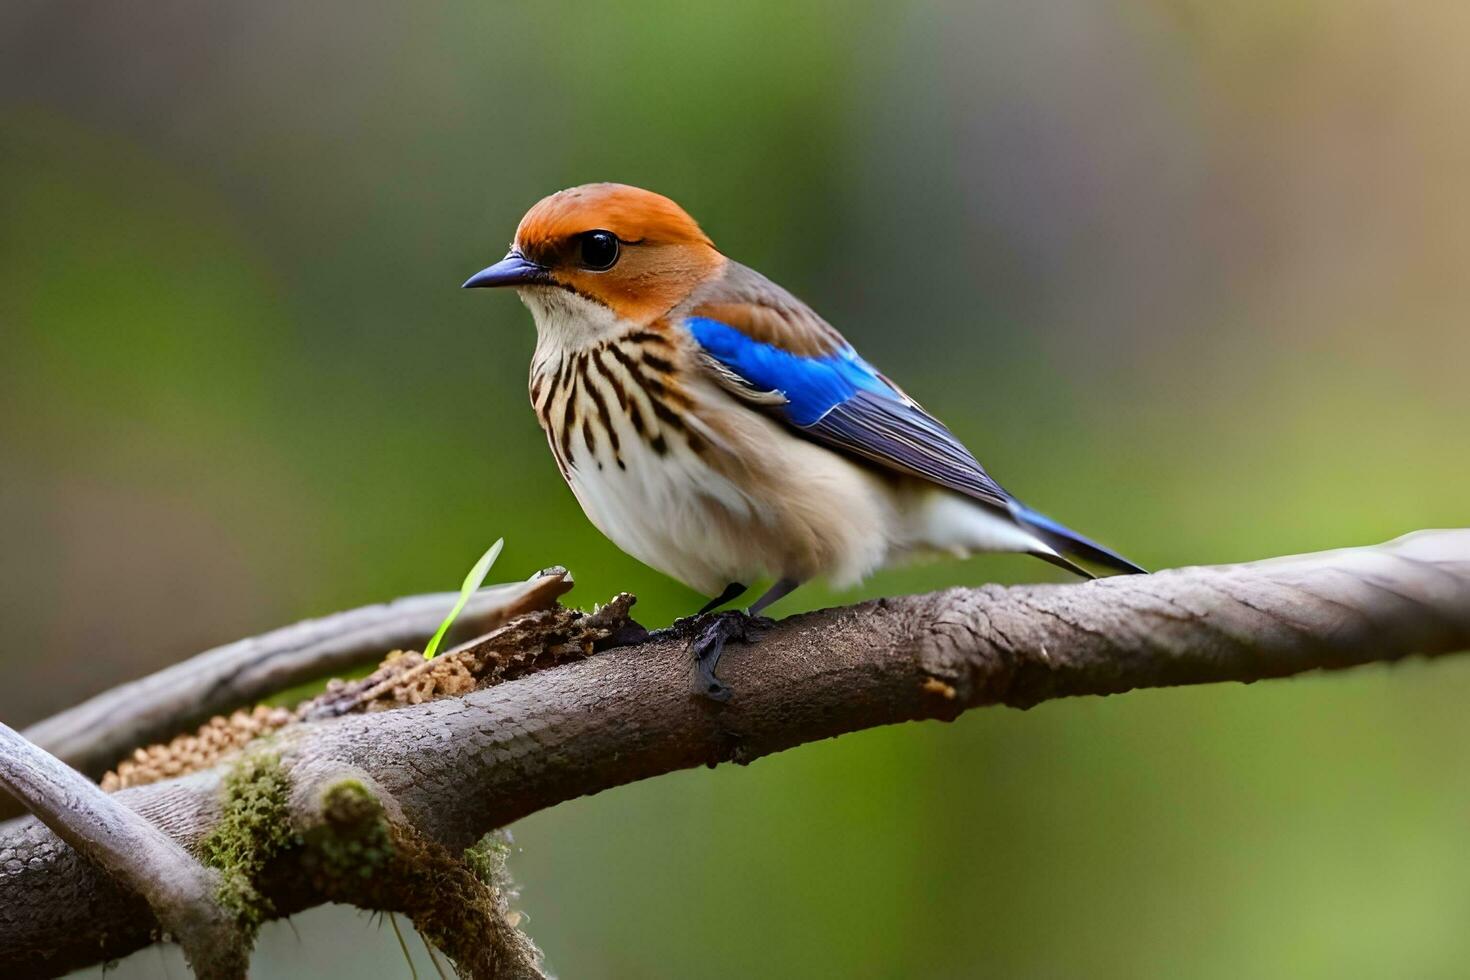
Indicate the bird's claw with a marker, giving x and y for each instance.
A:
(711, 633)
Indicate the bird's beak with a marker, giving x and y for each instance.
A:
(513, 270)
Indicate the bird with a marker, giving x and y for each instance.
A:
(719, 430)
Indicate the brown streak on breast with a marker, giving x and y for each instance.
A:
(649, 337)
(544, 389)
(604, 416)
(569, 412)
(589, 431)
(667, 415)
(662, 365)
(642, 424)
(617, 386)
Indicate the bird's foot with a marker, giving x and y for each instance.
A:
(710, 634)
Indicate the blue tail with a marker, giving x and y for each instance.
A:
(1068, 542)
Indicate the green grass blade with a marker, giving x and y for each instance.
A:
(472, 581)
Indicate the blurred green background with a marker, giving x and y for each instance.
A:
(1190, 276)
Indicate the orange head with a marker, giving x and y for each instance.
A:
(633, 251)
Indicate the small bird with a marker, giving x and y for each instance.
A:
(717, 429)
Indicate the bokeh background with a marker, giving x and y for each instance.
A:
(1191, 276)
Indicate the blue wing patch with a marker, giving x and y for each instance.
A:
(813, 386)
(842, 402)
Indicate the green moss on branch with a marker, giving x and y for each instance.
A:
(353, 841)
(254, 827)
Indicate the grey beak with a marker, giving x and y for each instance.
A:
(513, 270)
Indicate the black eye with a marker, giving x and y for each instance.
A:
(599, 250)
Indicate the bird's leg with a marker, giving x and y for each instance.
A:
(720, 629)
(778, 591)
(732, 592)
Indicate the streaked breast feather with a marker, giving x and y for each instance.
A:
(630, 382)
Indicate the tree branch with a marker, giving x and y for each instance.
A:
(179, 890)
(95, 734)
(456, 767)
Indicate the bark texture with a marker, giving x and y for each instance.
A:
(452, 769)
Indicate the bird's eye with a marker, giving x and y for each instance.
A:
(599, 250)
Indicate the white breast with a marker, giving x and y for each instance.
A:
(669, 512)
(634, 472)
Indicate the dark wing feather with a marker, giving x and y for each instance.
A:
(902, 436)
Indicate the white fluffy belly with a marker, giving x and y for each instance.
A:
(790, 509)
(667, 511)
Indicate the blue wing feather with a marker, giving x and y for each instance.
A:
(813, 386)
(841, 401)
